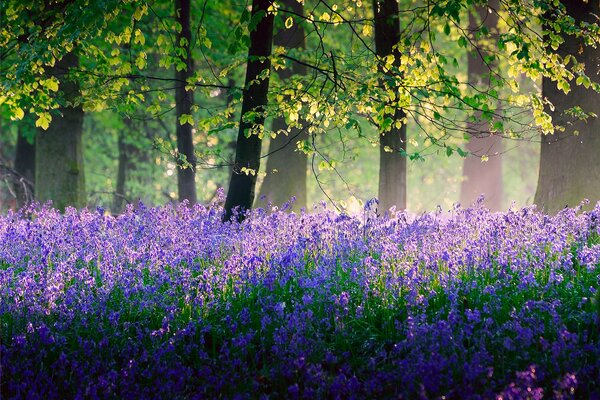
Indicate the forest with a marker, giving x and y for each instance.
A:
(299, 199)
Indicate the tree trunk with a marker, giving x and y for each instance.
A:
(59, 174)
(392, 163)
(569, 167)
(25, 167)
(123, 166)
(231, 145)
(127, 151)
(290, 164)
(247, 154)
(186, 172)
(482, 177)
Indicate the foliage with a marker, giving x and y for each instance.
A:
(132, 54)
(128, 52)
(170, 302)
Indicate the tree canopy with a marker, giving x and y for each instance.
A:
(128, 49)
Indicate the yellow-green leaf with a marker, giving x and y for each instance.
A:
(140, 12)
(43, 121)
(366, 30)
(186, 119)
(52, 84)
(289, 22)
(18, 113)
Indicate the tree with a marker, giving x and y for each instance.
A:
(286, 165)
(567, 173)
(256, 86)
(392, 136)
(184, 99)
(59, 174)
(24, 165)
(482, 177)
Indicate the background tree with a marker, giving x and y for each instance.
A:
(184, 99)
(256, 87)
(482, 177)
(392, 136)
(286, 164)
(567, 174)
(59, 173)
(24, 163)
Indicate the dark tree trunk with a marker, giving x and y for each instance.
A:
(123, 166)
(247, 153)
(569, 167)
(290, 164)
(392, 163)
(186, 173)
(25, 167)
(59, 174)
(482, 177)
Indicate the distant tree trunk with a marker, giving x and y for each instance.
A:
(186, 174)
(482, 177)
(290, 164)
(126, 151)
(569, 168)
(25, 167)
(59, 174)
(247, 153)
(392, 164)
(122, 168)
(231, 145)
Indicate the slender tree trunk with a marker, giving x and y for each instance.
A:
(392, 163)
(186, 173)
(231, 145)
(569, 168)
(290, 164)
(482, 178)
(122, 168)
(125, 165)
(59, 174)
(247, 153)
(25, 167)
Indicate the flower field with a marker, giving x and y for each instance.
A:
(169, 303)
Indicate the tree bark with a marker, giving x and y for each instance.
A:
(127, 151)
(392, 163)
(122, 168)
(482, 177)
(59, 173)
(25, 167)
(290, 164)
(186, 173)
(247, 154)
(569, 167)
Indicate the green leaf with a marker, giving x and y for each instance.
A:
(245, 17)
(255, 20)
(386, 124)
(461, 152)
(437, 11)
(186, 119)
